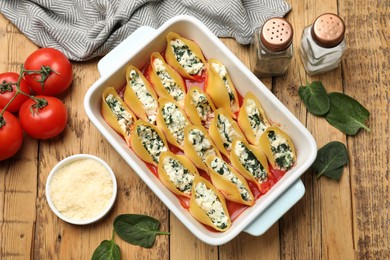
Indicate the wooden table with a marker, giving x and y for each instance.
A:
(334, 220)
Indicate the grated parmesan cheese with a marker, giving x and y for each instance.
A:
(82, 189)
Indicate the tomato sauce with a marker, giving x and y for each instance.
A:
(235, 209)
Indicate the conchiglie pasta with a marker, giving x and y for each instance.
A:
(278, 148)
(139, 95)
(252, 118)
(148, 142)
(116, 113)
(199, 107)
(220, 87)
(166, 81)
(223, 129)
(208, 206)
(177, 173)
(172, 120)
(230, 183)
(198, 145)
(250, 162)
(185, 56)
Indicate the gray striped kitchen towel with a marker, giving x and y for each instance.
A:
(84, 29)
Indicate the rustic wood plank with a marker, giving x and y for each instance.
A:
(344, 220)
(18, 175)
(184, 245)
(367, 76)
(325, 202)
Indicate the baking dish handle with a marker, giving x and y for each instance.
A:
(276, 210)
(110, 60)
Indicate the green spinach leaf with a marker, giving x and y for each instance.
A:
(107, 250)
(138, 229)
(315, 98)
(346, 114)
(330, 160)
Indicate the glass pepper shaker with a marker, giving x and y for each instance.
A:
(272, 48)
(323, 44)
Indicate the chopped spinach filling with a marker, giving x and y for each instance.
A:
(281, 150)
(220, 166)
(151, 141)
(186, 58)
(180, 176)
(124, 118)
(252, 164)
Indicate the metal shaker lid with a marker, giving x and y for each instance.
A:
(276, 34)
(328, 30)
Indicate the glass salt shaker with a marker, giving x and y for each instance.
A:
(323, 44)
(272, 48)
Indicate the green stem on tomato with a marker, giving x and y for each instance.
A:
(9, 103)
(40, 102)
(45, 72)
(6, 86)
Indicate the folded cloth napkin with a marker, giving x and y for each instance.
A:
(84, 29)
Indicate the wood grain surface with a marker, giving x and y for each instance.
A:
(349, 219)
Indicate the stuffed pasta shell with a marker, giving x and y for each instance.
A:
(208, 206)
(166, 81)
(198, 145)
(116, 113)
(185, 56)
(223, 129)
(252, 118)
(177, 173)
(148, 142)
(229, 182)
(172, 120)
(278, 148)
(220, 87)
(199, 107)
(139, 95)
(250, 162)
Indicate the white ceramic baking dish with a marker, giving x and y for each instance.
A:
(136, 50)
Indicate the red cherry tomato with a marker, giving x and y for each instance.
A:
(7, 92)
(11, 135)
(43, 122)
(58, 80)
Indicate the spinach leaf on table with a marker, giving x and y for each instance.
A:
(138, 229)
(315, 98)
(107, 250)
(330, 160)
(346, 114)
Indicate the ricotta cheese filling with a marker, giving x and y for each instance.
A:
(180, 176)
(222, 169)
(186, 58)
(221, 70)
(175, 121)
(256, 119)
(209, 202)
(226, 131)
(201, 144)
(168, 82)
(151, 141)
(282, 152)
(124, 118)
(250, 162)
(148, 102)
(203, 108)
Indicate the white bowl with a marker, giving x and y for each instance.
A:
(67, 161)
(136, 50)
